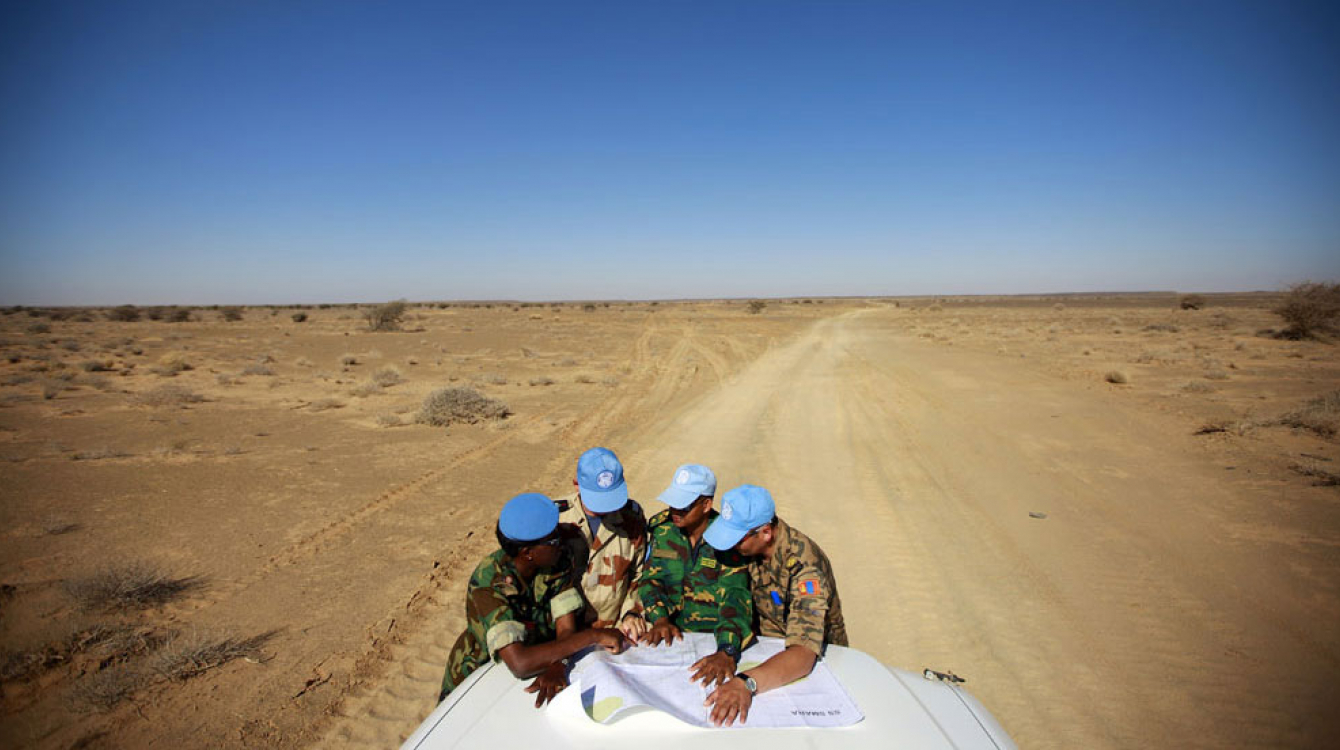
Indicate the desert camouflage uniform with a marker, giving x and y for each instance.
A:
(501, 610)
(616, 554)
(695, 586)
(795, 596)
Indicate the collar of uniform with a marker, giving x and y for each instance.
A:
(782, 547)
(711, 516)
(579, 519)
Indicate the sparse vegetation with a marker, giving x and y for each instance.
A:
(756, 306)
(388, 420)
(447, 406)
(171, 363)
(1117, 377)
(544, 380)
(99, 454)
(102, 690)
(348, 360)
(322, 404)
(387, 377)
(300, 317)
(124, 314)
(387, 317)
(1310, 309)
(230, 314)
(258, 369)
(1191, 302)
(185, 656)
(168, 395)
(1320, 415)
(135, 585)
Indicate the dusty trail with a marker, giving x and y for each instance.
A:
(1139, 612)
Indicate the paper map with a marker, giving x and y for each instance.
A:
(659, 677)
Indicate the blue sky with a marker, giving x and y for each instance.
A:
(252, 152)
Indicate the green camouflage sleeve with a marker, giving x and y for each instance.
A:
(490, 617)
(735, 610)
(661, 575)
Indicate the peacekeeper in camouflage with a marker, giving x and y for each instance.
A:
(795, 596)
(614, 529)
(522, 605)
(688, 585)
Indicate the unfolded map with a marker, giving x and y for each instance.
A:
(659, 677)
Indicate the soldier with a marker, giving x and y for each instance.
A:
(687, 585)
(795, 596)
(614, 530)
(522, 604)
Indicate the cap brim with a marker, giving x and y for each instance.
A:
(678, 497)
(723, 535)
(604, 501)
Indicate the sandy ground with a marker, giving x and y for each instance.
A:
(1101, 574)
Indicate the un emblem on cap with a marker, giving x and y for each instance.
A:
(605, 480)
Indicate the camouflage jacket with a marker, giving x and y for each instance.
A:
(500, 609)
(795, 596)
(615, 555)
(695, 586)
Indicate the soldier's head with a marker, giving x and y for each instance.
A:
(600, 481)
(747, 523)
(690, 495)
(528, 530)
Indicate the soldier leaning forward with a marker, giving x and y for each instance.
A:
(522, 605)
(795, 596)
(688, 585)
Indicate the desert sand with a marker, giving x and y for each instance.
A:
(1147, 562)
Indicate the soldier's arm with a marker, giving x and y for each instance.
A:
(793, 663)
(528, 661)
(735, 607)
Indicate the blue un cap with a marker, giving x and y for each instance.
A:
(743, 509)
(528, 517)
(691, 482)
(600, 478)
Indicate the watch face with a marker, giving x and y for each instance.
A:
(753, 686)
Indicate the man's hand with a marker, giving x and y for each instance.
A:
(633, 626)
(663, 631)
(713, 670)
(549, 683)
(730, 703)
(611, 639)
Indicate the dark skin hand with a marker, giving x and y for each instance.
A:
(713, 670)
(663, 631)
(549, 683)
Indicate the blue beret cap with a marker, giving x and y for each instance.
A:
(743, 509)
(528, 517)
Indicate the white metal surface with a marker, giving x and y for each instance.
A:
(905, 710)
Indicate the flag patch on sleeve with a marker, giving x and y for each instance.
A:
(810, 587)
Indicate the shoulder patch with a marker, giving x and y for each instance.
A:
(809, 587)
(709, 562)
(667, 554)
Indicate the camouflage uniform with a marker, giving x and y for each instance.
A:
(695, 586)
(501, 610)
(795, 596)
(616, 554)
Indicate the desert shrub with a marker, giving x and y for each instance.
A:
(387, 377)
(493, 378)
(70, 345)
(257, 369)
(1310, 309)
(135, 585)
(124, 314)
(99, 454)
(168, 395)
(542, 381)
(387, 317)
(322, 404)
(177, 314)
(172, 363)
(185, 656)
(348, 360)
(299, 317)
(1191, 302)
(1320, 415)
(51, 388)
(101, 691)
(94, 365)
(365, 390)
(38, 328)
(1162, 327)
(756, 306)
(1059, 306)
(1116, 376)
(446, 406)
(584, 379)
(303, 362)
(388, 420)
(1196, 387)
(230, 314)
(588, 307)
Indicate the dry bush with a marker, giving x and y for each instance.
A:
(124, 314)
(304, 362)
(172, 363)
(168, 395)
(365, 390)
(37, 328)
(447, 406)
(387, 317)
(542, 381)
(584, 378)
(1117, 376)
(1191, 302)
(177, 314)
(388, 420)
(493, 378)
(1323, 477)
(1310, 309)
(1195, 387)
(1163, 327)
(101, 691)
(322, 404)
(50, 388)
(257, 369)
(95, 365)
(756, 306)
(299, 317)
(348, 360)
(387, 377)
(185, 656)
(1320, 415)
(135, 585)
(230, 314)
(99, 454)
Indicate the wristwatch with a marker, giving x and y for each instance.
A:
(749, 683)
(732, 651)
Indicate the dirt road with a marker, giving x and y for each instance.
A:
(1163, 600)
